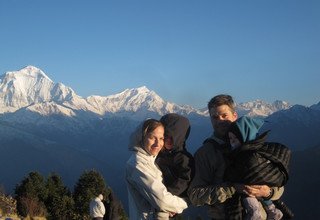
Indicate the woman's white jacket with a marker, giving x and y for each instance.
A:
(148, 197)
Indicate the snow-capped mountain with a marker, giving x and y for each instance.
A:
(261, 108)
(139, 101)
(31, 88)
(22, 88)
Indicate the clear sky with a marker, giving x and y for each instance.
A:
(185, 50)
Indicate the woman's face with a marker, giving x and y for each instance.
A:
(153, 141)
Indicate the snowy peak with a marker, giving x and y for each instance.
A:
(60, 93)
(29, 86)
(138, 103)
(34, 72)
(25, 73)
(24, 87)
(261, 108)
(139, 90)
(138, 95)
(280, 105)
(142, 97)
(130, 100)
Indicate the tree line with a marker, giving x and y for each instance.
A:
(37, 196)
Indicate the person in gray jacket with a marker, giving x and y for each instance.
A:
(208, 186)
(148, 197)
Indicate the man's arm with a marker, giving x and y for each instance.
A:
(207, 186)
(210, 195)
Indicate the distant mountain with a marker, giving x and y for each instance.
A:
(138, 103)
(30, 100)
(23, 152)
(29, 86)
(297, 127)
(261, 108)
(32, 89)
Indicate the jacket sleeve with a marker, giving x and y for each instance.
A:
(183, 166)
(154, 191)
(207, 186)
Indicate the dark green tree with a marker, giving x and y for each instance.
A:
(31, 194)
(59, 202)
(89, 185)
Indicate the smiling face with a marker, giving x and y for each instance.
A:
(154, 140)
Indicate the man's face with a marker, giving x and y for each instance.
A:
(154, 140)
(221, 117)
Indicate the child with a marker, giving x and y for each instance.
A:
(256, 162)
(175, 162)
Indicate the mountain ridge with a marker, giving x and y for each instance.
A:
(31, 86)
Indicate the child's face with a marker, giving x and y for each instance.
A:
(168, 142)
(234, 141)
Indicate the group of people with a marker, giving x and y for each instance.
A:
(235, 173)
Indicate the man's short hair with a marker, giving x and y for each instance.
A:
(222, 99)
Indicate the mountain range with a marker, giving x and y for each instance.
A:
(45, 126)
(30, 88)
(30, 99)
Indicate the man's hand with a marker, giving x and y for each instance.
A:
(257, 190)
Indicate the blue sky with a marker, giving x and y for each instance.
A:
(186, 51)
